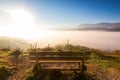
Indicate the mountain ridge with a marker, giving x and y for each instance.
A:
(100, 26)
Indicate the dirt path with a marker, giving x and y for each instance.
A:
(20, 74)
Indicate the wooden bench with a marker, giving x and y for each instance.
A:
(60, 57)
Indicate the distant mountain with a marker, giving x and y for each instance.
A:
(100, 26)
(7, 42)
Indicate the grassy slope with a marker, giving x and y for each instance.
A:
(8, 42)
(105, 66)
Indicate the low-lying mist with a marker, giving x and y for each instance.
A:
(104, 40)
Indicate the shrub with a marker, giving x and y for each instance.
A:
(15, 56)
(4, 72)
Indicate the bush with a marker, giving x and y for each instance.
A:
(14, 57)
(4, 72)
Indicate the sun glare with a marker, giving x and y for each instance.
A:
(22, 16)
(23, 24)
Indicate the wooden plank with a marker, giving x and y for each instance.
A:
(61, 69)
(59, 61)
(56, 58)
(58, 53)
(59, 57)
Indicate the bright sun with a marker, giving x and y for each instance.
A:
(22, 16)
(23, 24)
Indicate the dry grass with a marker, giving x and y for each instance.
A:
(105, 67)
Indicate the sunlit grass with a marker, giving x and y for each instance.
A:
(101, 65)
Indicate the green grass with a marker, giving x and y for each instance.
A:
(100, 62)
(4, 72)
(106, 60)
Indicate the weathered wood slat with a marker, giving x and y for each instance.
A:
(57, 58)
(61, 69)
(58, 53)
(59, 61)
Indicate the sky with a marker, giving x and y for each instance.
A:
(35, 19)
(63, 13)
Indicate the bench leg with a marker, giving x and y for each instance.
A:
(79, 66)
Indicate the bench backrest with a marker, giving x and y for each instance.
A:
(58, 56)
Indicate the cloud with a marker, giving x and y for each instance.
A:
(100, 26)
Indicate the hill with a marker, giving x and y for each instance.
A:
(8, 42)
(100, 26)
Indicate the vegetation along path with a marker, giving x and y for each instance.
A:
(20, 74)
